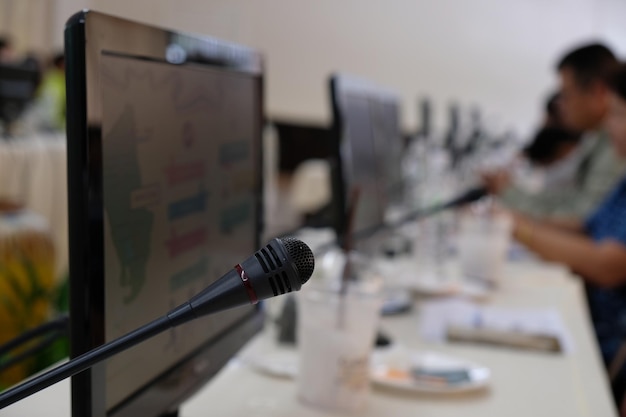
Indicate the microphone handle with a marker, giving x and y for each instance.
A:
(467, 197)
(177, 316)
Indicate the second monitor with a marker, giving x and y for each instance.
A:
(366, 121)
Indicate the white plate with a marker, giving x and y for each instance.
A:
(432, 287)
(391, 368)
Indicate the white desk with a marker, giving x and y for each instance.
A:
(523, 383)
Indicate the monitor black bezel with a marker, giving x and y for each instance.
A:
(87, 34)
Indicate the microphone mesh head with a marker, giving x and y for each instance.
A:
(301, 255)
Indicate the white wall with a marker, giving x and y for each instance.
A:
(28, 23)
(498, 54)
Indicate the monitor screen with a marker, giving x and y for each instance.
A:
(360, 161)
(389, 143)
(366, 119)
(174, 202)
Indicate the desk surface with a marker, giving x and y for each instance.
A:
(523, 383)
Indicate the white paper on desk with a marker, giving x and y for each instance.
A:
(437, 316)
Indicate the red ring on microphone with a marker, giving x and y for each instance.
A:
(246, 283)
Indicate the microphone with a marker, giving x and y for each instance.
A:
(280, 267)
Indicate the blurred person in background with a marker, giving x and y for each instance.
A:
(31, 62)
(552, 114)
(48, 112)
(551, 145)
(578, 177)
(553, 141)
(553, 160)
(7, 54)
(595, 248)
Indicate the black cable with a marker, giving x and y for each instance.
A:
(60, 324)
(41, 346)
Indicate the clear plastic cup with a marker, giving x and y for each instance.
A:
(483, 243)
(335, 338)
(433, 247)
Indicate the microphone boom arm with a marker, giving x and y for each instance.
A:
(175, 317)
(288, 260)
(85, 361)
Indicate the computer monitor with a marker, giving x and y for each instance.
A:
(368, 153)
(164, 177)
(17, 89)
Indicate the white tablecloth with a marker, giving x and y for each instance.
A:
(33, 172)
(524, 383)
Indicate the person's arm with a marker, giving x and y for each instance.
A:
(541, 207)
(568, 202)
(603, 264)
(564, 224)
(560, 208)
(498, 183)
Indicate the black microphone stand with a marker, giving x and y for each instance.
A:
(175, 317)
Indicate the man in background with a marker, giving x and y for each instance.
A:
(593, 167)
(7, 54)
(50, 105)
